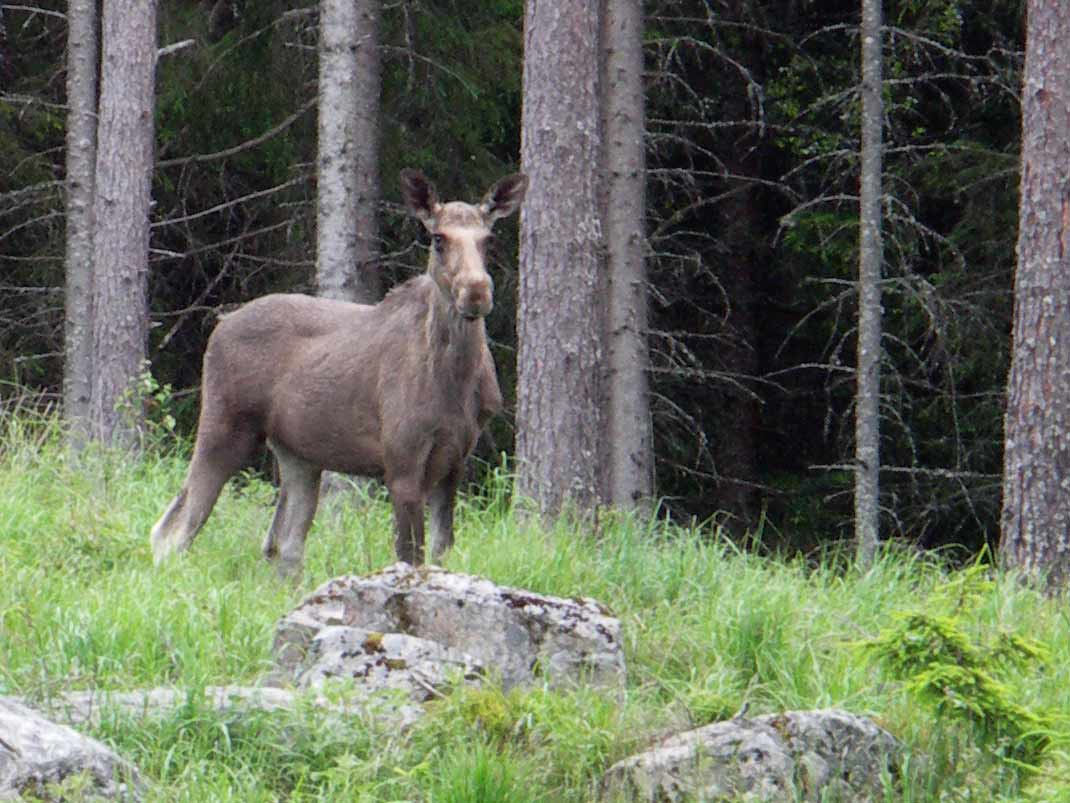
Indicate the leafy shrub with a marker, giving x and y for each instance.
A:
(965, 678)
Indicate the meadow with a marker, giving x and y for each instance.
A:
(709, 627)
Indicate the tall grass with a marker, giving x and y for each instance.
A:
(708, 628)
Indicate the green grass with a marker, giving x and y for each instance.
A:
(708, 627)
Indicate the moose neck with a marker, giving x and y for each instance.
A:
(454, 342)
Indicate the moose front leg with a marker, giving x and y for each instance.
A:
(441, 502)
(408, 501)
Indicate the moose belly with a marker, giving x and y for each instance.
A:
(331, 442)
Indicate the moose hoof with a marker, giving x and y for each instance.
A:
(161, 549)
(165, 544)
(290, 571)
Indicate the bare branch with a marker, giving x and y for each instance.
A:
(241, 147)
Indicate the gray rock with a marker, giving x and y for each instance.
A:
(420, 668)
(89, 706)
(824, 756)
(36, 753)
(522, 636)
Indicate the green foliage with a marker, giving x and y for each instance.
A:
(964, 677)
(78, 787)
(707, 628)
(251, 755)
(148, 406)
(577, 732)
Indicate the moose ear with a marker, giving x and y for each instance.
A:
(504, 197)
(420, 196)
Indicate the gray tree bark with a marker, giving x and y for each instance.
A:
(867, 400)
(82, 46)
(561, 311)
(348, 181)
(629, 436)
(1036, 505)
(368, 83)
(122, 200)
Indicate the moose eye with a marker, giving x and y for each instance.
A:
(439, 240)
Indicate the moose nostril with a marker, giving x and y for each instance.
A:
(474, 302)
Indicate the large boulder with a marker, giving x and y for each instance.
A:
(36, 754)
(520, 636)
(827, 755)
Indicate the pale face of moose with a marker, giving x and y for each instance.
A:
(458, 261)
(460, 235)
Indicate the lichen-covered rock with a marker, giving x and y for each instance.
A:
(36, 753)
(88, 707)
(799, 755)
(836, 753)
(521, 636)
(422, 669)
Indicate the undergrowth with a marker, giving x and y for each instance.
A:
(970, 669)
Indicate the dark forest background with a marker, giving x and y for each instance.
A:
(752, 182)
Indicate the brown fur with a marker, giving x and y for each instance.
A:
(399, 390)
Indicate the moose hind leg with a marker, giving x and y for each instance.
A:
(215, 459)
(299, 486)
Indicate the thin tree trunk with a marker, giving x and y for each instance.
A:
(122, 200)
(1036, 505)
(867, 404)
(560, 316)
(335, 195)
(628, 433)
(82, 47)
(347, 192)
(368, 83)
(735, 492)
(746, 254)
(347, 227)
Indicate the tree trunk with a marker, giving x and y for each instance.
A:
(122, 202)
(347, 227)
(560, 315)
(867, 402)
(1036, 506)
(346, 233)
(368, 83)
(743, 256)
(82, 44)
(735, 445)
(628, 431)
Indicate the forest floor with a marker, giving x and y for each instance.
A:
(708, 627)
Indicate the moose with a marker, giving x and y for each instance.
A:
(399, 390)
